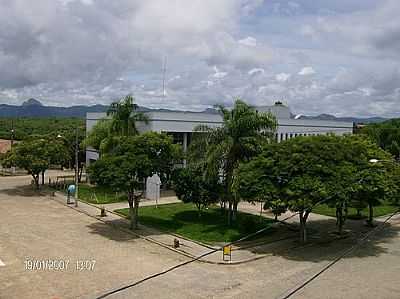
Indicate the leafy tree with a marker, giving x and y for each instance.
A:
(371, 181)
(191, 185)
(100, 132)
(259, 182)
(69, 139)
(36, 156)
(386, 135)
(297, 171)
(128, 165)
(124, 116)
(125, 173)
(26, 127)
(107, 133)
(221, 149)
(306, 171)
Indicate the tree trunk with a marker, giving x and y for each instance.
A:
(303, 230)
(222, 207)
(80, 173)
(198, 206)
(230, 213)
(36, 180)
(371, 214)
(131, 210)
(234, 211)
(339, 219)
(42, 177)
(136, 208)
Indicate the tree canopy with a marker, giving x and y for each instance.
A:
(386, 135)
(220, 149)
(305, 171)
(36, 156)
(130, 162)
(124, 116)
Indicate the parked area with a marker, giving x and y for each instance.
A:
(62, 233)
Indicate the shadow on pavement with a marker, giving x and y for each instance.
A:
(111, 233)
(325, 245)
(111, 229)
(27, 191)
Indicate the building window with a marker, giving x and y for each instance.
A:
(281, 136)
(286, 136)
(176, 137)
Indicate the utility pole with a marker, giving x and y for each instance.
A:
(164, 70)
(12, 133)
(76, 167)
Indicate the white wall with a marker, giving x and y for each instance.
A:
(177, 121)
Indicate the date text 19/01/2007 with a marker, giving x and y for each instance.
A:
(59, 265)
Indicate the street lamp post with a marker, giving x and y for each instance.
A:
(76, 167)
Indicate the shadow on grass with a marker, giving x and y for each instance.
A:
(325, 245)
(210, 227)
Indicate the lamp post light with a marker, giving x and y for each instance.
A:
(76, 167)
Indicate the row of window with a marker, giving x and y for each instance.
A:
(285, 136)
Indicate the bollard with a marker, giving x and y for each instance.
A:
(103, 212)
(176, 243)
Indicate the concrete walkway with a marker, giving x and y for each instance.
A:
(143, 203)
(321, 229)
(245, 252)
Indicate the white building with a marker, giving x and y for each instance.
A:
(181, 125)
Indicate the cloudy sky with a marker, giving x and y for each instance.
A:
(319, 56)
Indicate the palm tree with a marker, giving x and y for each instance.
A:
(221, 149)
(124, 116)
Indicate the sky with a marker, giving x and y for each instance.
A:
(338, 57)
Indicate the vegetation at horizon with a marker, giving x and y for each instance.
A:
(26, 127)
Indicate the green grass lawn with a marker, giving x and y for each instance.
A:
(385, 209)
(210, 227)
(103, 195)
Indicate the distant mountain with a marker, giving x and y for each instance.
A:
(347, 119)
(34, 108)
(31, 102)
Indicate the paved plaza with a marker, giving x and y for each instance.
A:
(40, 228)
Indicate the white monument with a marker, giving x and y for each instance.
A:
(153, 188)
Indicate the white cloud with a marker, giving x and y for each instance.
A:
(256, 71)
(218, 74)
(306, 71)
(248, 41)
(93, 51)
(282, 77)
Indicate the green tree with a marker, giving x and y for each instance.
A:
(124, 116)
(128, 165)
(386, 135)
(221, 149)
(259, 182)
(70, 139)
(36, 156)
(192, 185)
(371, 181)
(100, 132)
(297, 171)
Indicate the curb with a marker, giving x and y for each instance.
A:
(59, 200)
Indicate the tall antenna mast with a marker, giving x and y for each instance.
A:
(164, 70)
